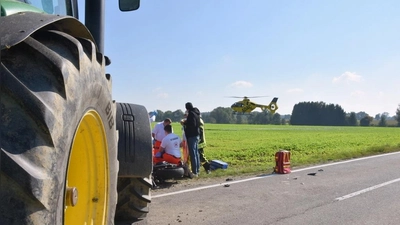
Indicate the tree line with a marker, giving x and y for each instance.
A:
(303, 113)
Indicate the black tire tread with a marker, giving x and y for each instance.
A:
(40, 79)
(133, 198)
(168, 173)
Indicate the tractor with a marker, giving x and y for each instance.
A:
(70, 154)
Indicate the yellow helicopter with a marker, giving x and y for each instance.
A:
(246, 106)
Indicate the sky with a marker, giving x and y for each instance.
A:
(171, 52)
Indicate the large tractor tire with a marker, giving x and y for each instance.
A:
(136, 162)
(58, 138)
(133, 199)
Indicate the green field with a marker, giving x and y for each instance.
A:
(251, 148)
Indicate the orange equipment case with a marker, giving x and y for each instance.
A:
(282, 159)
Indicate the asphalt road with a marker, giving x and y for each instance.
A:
(361, 191)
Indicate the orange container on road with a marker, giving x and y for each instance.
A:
(282, 159)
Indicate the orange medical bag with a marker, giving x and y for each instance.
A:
(282, 160)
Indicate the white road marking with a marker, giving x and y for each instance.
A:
(270, 175)
(209, 186)
(366, 190)
(347, 161)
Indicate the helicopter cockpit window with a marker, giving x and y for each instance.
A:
(237, 104)
(57, 7)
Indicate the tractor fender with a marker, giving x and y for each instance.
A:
(19, 26)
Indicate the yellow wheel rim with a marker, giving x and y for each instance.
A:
(86, 197)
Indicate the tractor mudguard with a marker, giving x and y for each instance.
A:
(21, 25)
(134, 141)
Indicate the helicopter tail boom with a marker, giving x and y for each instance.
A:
(272, 107)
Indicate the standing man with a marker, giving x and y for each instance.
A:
(192, 132)
(158, 134)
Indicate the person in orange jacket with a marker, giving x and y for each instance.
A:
(158, 134)
(170, 148)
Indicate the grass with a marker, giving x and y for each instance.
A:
(250, 149)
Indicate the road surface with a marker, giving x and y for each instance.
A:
(360, 191)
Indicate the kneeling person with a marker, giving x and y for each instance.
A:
(170, 148)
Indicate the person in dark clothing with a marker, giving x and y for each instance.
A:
(192, 132)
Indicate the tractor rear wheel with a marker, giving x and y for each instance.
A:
(58, 138)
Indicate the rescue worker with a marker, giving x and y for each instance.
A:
(201, 145)
(170, 148)
(158, 134)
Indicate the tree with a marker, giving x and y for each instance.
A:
(398, 115)
(352, 119)
(177, 115)
(382, 121)
(385, 114)
(318, 113)
(276, 119)
(260, 118)
(366, 121)
(222, 115)
(160, 116)
(361, 115)
(241, 119)
(206, 117)
(167, 114)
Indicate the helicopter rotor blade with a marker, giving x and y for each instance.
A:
(234, 97)
(262, 96)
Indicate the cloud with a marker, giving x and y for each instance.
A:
(241, 84)
(295, 90)
(199, 93)
(159, 93)
(347, 77)
(157, 89)
(162, 95)
(358, 94)
(226, 59)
